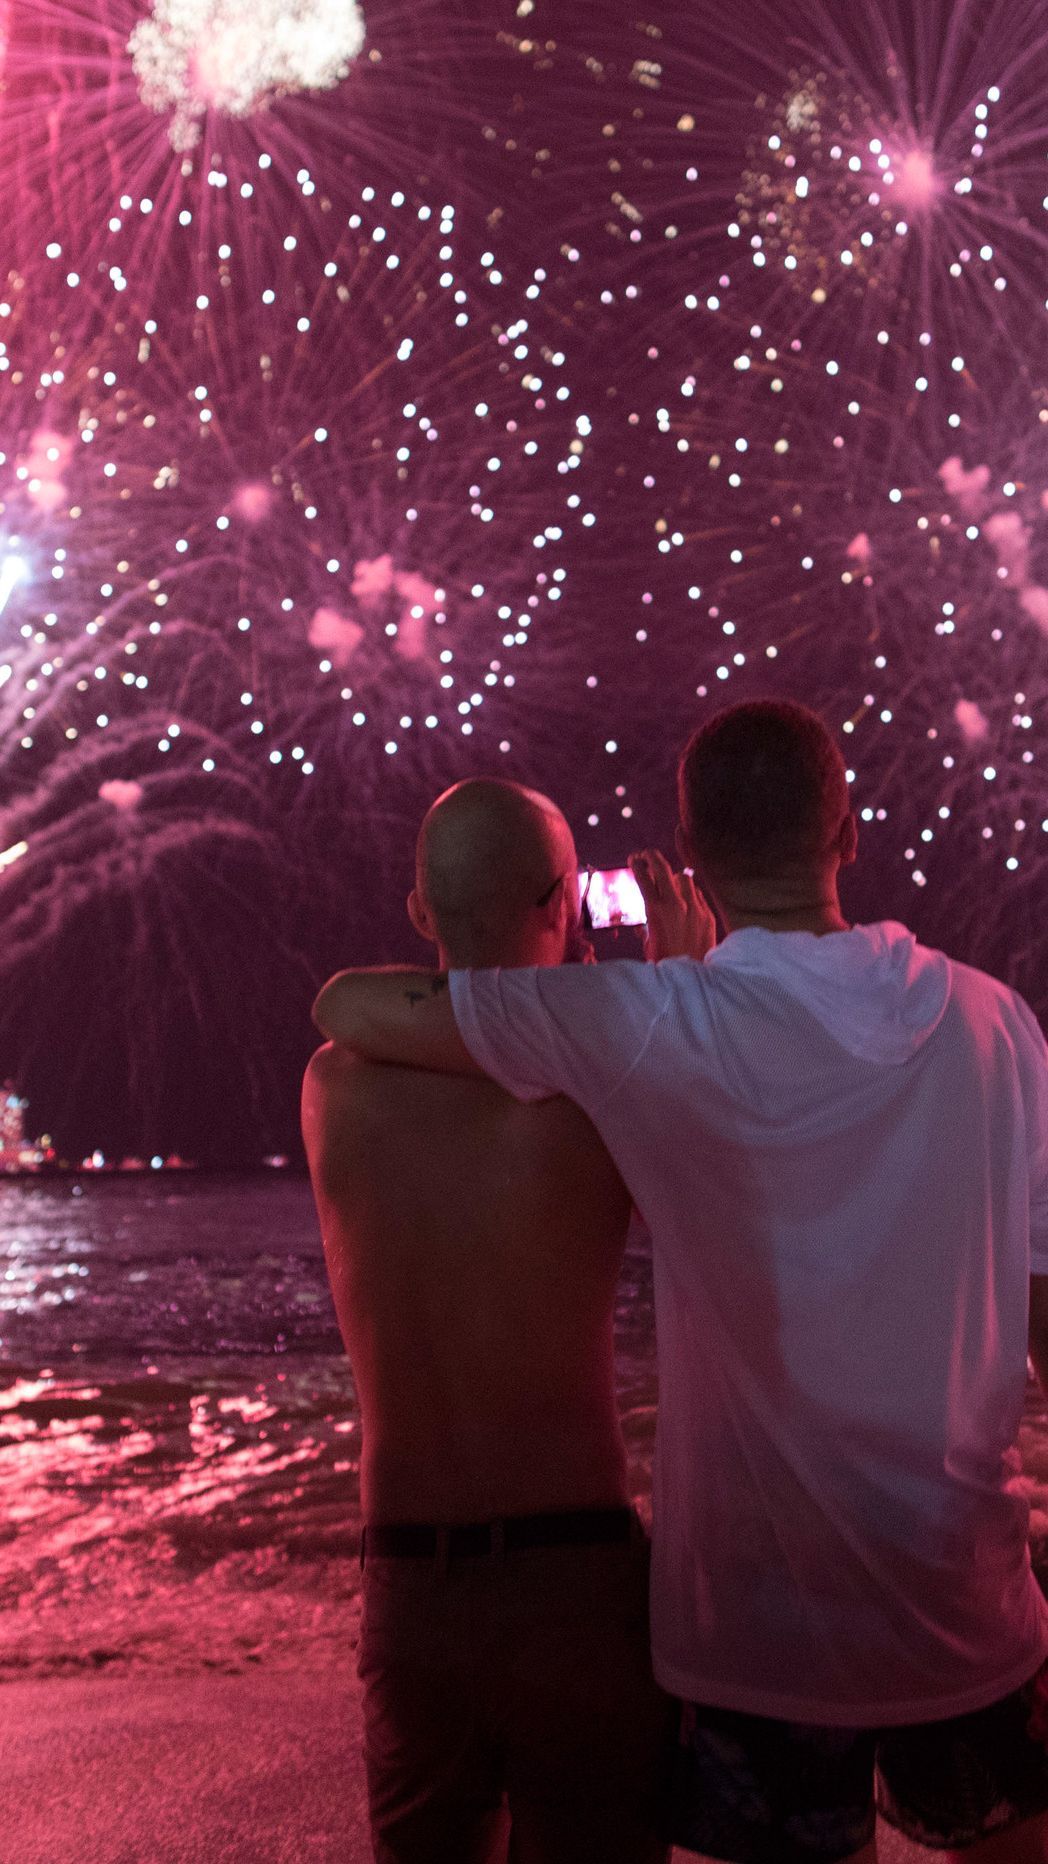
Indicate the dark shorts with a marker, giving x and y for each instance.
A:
(755, 1791)
(513, 1686)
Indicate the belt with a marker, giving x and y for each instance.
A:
(577, 1527)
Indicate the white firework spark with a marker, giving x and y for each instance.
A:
(236, 56)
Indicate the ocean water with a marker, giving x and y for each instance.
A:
(180, 1437)
(179, 1433)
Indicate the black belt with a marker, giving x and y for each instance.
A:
(577, 1527)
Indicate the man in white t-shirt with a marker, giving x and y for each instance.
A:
(839, 1141)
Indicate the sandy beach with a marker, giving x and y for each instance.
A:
(192, 1770)
(259, 1769)
(262, 1769)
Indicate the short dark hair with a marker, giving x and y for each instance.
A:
(762, 787)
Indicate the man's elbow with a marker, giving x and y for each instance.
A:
(333, 1010)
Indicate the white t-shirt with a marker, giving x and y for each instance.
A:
(840, 1147)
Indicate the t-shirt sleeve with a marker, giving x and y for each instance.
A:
(1035, 1094)
(574, 1029)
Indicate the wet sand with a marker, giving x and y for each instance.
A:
(262, 1769)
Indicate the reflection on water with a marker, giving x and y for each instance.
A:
(179, 1435)
(180, 1482)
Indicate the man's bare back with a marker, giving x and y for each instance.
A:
(473, 1246)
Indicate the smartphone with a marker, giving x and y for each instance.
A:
(610, 897)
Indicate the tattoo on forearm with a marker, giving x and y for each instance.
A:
(436, 985)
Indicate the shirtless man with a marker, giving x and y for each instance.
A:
(474, 1246)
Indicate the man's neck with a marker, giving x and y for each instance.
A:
(792, 900)
(819, 916)
(489, 958)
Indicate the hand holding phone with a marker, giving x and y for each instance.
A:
(680, 923)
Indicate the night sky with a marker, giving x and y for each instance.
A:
(499, 395)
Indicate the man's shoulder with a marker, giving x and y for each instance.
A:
(982, 996)
(975, 986)
(346, 1100)
(336, 1079)
(332, 1066)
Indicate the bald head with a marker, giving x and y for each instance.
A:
(488, 853)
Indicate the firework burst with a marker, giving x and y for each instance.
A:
(838, 367)
(193, 56)
(383, 432)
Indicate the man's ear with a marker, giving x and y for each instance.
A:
(419, 916)
(849, 839)
(685, 852)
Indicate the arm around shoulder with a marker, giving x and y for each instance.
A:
(398, 1016)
